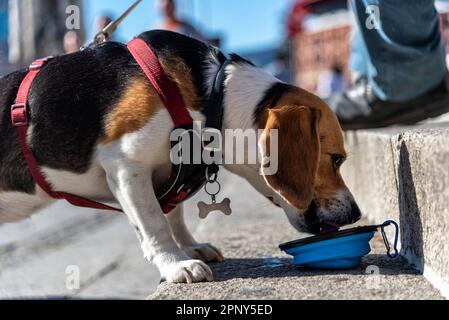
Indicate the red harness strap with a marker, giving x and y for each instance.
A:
(167, 90)
(19, 118)
(171, 97)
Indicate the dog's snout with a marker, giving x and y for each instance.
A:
(356, 214)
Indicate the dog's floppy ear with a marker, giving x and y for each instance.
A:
(298, 153)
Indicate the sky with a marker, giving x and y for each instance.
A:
(244, 25)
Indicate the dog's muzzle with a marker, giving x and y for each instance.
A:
(315, 224)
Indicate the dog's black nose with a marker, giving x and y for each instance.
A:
(355, 212)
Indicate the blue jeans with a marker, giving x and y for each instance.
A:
(399, 49)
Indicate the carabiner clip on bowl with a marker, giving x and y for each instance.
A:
(396, 237)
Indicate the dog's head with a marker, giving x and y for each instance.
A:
(308, 183)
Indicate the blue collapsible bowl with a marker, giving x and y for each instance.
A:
(340, 250)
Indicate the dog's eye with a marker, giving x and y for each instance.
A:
(337, 161)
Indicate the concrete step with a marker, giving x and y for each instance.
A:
(403, 174)
(256, 269)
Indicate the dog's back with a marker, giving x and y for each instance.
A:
(71, 99)
(67, 104)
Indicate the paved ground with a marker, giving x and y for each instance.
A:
(35, 254)
(256, 269)
(256, 272)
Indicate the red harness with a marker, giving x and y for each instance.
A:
(166, 88)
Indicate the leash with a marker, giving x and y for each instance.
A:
(185, 179)
(106, 34)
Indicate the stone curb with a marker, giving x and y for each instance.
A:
(403, 174)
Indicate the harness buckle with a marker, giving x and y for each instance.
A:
(19, 115)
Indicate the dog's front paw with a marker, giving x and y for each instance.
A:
(187, 271)
(204, 252)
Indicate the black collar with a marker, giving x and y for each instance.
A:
(215, 106)
(187, 179)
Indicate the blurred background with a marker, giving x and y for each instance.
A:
(306, 42)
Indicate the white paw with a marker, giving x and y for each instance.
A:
(187, 271)
(204, 252)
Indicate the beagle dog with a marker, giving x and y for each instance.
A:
(99, 130)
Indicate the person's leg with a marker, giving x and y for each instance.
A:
(359, 57)
(399, 55)
(406, 57)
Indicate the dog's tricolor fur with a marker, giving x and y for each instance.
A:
(99, 130)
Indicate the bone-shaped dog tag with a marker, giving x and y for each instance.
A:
(206, 209)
